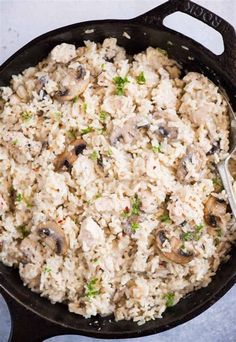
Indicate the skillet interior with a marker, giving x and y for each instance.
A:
(141, 38)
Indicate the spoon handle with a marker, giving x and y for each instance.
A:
(227, 181)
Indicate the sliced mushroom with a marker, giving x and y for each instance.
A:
(128, 132)
(65, 160)
(53, 236)
(215, 148)
(214, 211)
(2, 104)
(72, 85)
(176, 255)
(99, 167)
(192, 163)
(40, 83)
(22, 93)
(171, 133)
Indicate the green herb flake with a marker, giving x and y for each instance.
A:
(101, 130)
(216, 241)
(217, 184)
(156, 148)
(19, 197)
(94, 155)
(76, 99)
(22, 229)
(91, 289)
(47, 269)
(102, 116)
(26, 116)
(96, 260)
(85, 107)
(162, 51)
(187, 236)
(109, 152)
(219, 232)
(165, 218)
(197, 233)
(103, 66)
(15, 142)
(58, 116)
(120, 84)
(98, 196)
(72, 133)
(136, 204)
(27, 202)
(169, 299)
(134, 226)
(141, 78)
(87, 130)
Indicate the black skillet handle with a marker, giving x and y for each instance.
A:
(158, 14)
(26, 326)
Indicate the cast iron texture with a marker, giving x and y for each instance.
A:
(33, 317)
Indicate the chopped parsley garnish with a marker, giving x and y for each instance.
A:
(196, 235)
(94, 155)
(103, 66)
(91, 289)
(102, 116)
(72, 133)
(219, 232)
(109, 152)
(101, 130)
(47, 269)
(217, 183)
(169, 299)
(58, 115)
(15, 142)
(136, 204)
(134, 226)
(162, 51)
(85, 107)
(76, 99)
(19, 197)
(27, 202)
(22, 229)
(165, 218)
(95, 260)
(187, 236)
(120, 84)
(156, 148)
(26, 116)
(87, 130)
(141, 78)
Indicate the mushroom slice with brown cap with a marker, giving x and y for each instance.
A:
(128, 132)
(53, 236)
(65, 160)
(171, 133)
(214, 211)
(72, 85)
(192, 163)
(176, 255)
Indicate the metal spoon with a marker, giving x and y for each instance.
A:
(223, 166)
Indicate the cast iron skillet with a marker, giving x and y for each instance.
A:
(33, 317)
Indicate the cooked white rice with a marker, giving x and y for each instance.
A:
(117, 225)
